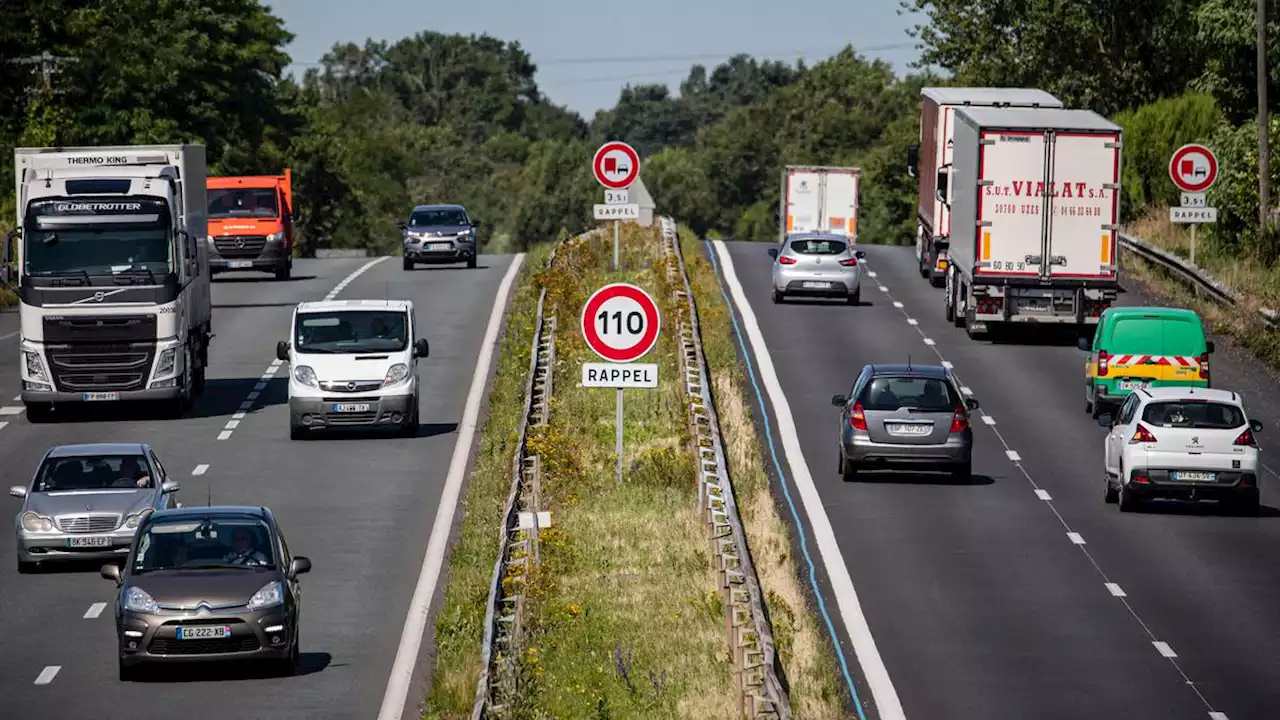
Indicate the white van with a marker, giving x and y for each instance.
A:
(353, 363)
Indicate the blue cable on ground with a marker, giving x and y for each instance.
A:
(786, 490)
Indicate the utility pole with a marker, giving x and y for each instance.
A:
(49, 65)
(1264, 151)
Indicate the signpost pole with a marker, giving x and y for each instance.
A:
(616, 233)
(1193, 243)
(619, 436)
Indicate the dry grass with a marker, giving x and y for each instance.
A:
(805, 651)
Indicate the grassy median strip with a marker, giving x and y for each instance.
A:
(803, 645)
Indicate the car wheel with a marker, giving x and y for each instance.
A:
(848, 470)
(408, 264)
(1246, 504)
(297, 432)
(1110, 493)
(856, 297)
(1128, 503)
(28, 568)
(471, 262)
(963, 472)
(128, 673)
(288, 667)
(777, 296)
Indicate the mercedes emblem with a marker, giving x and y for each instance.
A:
(240, 243)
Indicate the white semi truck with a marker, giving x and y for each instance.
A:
(819, 199)
(111, 266)
(937, 130)
(1035, 202)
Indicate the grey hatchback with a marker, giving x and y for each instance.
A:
(899, 417)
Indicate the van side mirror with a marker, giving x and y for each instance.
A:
(1208, 346)
(913, 159)
(421, 348)
(1084, 343)
(1255, 425)
(839, 400)
(773, 253)
(282, 351)
(940, 190)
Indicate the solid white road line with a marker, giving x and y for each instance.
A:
(877, 675)
(415, 623)
(47, 675)
(200, 470)
(94, 610)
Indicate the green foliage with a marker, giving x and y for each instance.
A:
(1151, 134)
(1236, 193)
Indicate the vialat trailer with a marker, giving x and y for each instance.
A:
(1035, 205)
(934, 153)
(819, 199)
(113, 275)
(251, 224)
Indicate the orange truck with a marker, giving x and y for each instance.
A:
(251, 224)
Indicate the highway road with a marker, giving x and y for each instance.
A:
(360, 507)
(1022, 594)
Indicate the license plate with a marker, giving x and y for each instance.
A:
(1132, 384)
(908, 429)
(350, 407)
(203, 632)
(1195, 476)
(94, 396)
(817, 284)
(439, 246)
(88, 542)
(239, 263)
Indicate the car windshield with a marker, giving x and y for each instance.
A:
(435, 218)
(1193, 414)
(352, 331)
(818, 247)
(205, 542)
(93, 472)
(243, 203)
(918, 393)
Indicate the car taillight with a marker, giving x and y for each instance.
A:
(959, 421)
(1246, 438)
(849, 262)
(1141, 480)
(1204, 366)
(1142, 435)
(1102, 363)
(857, 419)
(787, 260)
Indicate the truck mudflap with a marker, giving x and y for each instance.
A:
(1031, 305)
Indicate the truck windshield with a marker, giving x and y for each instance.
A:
(447, 217)
(106, 250)
(243, 203)
(352, 331)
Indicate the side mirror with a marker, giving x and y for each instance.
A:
(1255, 425)
(971, 403)
(913, 159)
(299, 566)
(111, 572)
(421, 348)
(402, 227)
(839, 400)
(18, 491)
(940, 190)
(1084, 344)
(8, 269)
(282, 351)
(1106, 420)
(773, 253)
(169, 486)
(860, 254)
(1208, 347)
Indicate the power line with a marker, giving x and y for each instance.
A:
(49, 65)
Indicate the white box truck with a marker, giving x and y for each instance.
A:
(819, 199)
(111, 265)
(937, 130)
(1035, 202)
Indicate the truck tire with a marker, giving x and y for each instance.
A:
(283, 273)
(40, 413)
(924, 266)
(936, 280)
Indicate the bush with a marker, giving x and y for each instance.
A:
(1151, 134)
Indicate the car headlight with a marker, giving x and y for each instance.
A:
(396, 374)
(136, 519)
(275, 237)
(305, 375)
(35, 522)
(164, 365)
(268, 596)
(140, 601)
(35, 365)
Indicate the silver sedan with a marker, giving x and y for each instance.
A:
(87, 501)
(817, 265)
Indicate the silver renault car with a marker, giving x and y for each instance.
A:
(87, 501)
(817, 265)
(905, 417)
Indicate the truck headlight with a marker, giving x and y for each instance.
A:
(306, 376)
(396, 374)
(35, 365)
(275, 237)
(164, 366)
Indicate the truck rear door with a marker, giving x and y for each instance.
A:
(840, 203)
(804, 200)
(1085, 206)
(1011, 207)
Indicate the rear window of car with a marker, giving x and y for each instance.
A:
(818, 247)
(1193, 414)
(922, 393)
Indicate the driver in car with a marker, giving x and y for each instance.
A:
(131, 471)
(243, 551)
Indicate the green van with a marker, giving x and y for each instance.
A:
(1136, 347)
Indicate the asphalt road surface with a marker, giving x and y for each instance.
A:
(1022, 594)
(361, 508)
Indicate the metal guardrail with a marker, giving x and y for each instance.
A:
(1193, 275)
(760, 691)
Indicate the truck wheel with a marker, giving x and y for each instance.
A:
(283, 273)
(197, 387)
(936, 280)
(39, 413)
(957, 318)
(924, 266)
(949, 305)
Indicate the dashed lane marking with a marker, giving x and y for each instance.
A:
(929, 342)
(1013, 455)
(897, 304)
(912, 321)
(94, 610)
(47, 675)
(987, 419)
(267, 375)
(1164, 649)
(1076, 538)
(884, 289)
(1044, 495)
(9, 334)
(872, 273)
(12, 410)
(200, 470)
(1115, 590)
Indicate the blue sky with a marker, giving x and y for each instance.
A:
(586, 51)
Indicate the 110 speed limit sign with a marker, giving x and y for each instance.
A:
(620, 322)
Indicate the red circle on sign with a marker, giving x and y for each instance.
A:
(1184, 153)
(633, 170)
(652, 321)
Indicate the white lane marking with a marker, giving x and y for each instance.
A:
(947, 364)
(912, 321)
(929, 341)
(1218, 716)
(988, 420)
(897, 304)
(94, 610)
(1043, 495)
(10, 334)
(1076, 538)
(3, 425)
(17, 398)
(1013, 455)
(884, 289)
(276, 363)
(855, 622)
(966, 390)
(47, 675)
(12, 410)
(200, 469)
(415, 622)
(1164, 649)
(871, 273)
(1115, 590)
